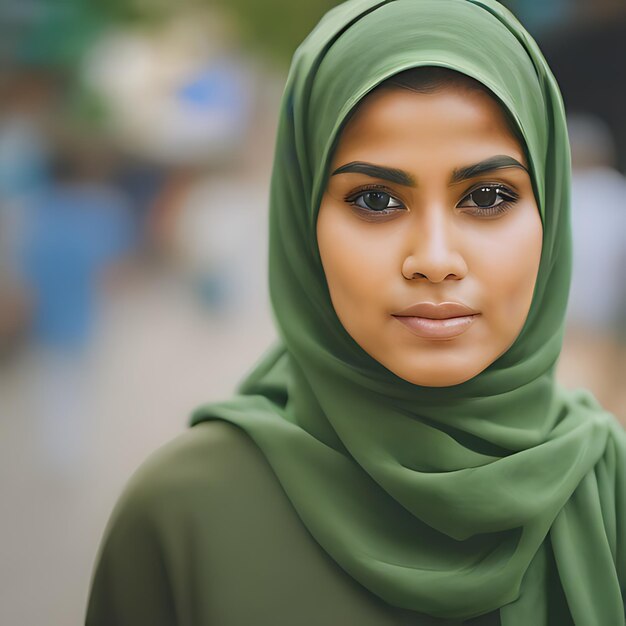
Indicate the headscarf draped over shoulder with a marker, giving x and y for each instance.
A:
(447, 501)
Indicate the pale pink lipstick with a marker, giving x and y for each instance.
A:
(437, 321)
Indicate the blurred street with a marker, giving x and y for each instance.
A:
(156, 357)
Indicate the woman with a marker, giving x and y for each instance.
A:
(377, 466)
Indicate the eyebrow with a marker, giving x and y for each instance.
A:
(498, 162)
(401, 177)
(377, 171)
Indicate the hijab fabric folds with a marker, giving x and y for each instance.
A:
(446, 501)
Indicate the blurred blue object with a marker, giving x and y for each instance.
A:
(70, 233)
(217, 86)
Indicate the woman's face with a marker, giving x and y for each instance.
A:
(429, 201)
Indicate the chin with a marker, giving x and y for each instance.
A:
(437, 382)
(434, 378)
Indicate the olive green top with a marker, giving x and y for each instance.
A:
(203, 534)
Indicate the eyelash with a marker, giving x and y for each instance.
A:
(509, 198)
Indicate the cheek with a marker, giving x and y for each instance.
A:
(357, 263)
(509, 270)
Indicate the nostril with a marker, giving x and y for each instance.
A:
(420, 275)
(416, 275)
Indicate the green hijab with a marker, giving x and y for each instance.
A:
(447, 501)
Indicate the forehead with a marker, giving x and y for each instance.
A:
(442, 122)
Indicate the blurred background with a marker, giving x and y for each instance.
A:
(136, 141)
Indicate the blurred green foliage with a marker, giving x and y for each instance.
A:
(273, 27)
(47, 34)
(277, 26)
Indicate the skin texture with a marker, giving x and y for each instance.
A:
(431, 244)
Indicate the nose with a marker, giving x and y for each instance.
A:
(432, 249)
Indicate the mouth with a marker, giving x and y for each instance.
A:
(446, 328)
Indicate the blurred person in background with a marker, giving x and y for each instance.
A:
(587, 55)
(214, 247)
(72, 233)
(595, 341)
(26, 101)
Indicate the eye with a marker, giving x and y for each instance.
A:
(374, 200)
(489, 199)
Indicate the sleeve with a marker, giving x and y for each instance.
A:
(130, 584)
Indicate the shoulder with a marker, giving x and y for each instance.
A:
(189, 490)
(208, 445)
(180, 496)
(205, 461)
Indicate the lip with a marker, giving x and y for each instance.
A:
(437, 321)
